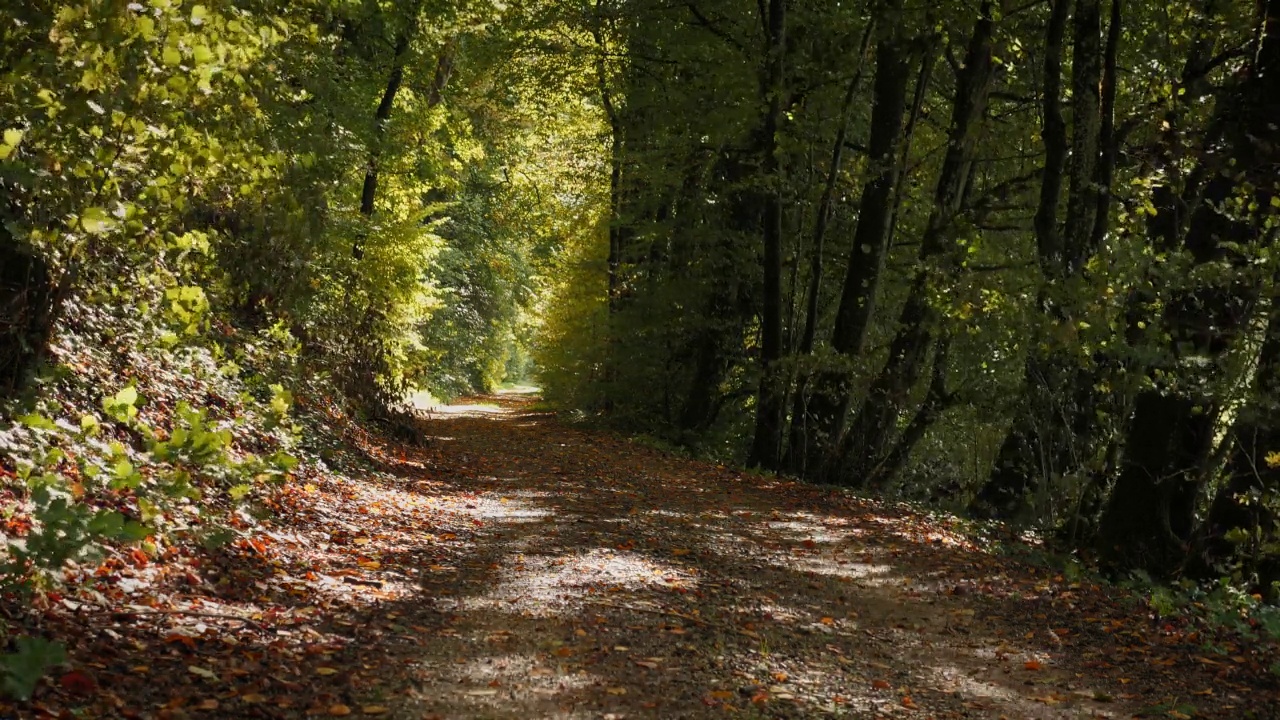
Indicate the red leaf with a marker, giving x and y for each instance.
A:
(78, 682)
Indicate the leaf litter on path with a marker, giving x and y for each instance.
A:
(509, 566)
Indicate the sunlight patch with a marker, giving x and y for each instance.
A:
(547, 586)
(836, 568)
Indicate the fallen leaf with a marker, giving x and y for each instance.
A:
(207, 704)
(254, 698)
(1032, 665)
(616, 690)
(326, 671)
(339, 710)
(374, 710)
(880, 684)
(206, 674)
(78, 683)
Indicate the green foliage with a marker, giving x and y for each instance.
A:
(21, 669)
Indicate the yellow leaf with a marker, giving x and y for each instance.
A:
(616, 690)
(374, 710)
(339, 710)
(326, 671)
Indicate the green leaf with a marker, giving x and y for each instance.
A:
(22, 669)
(96, 221)
(36, 421)
(172, 57)
(89, 424)
(199, 14)
(238, 492)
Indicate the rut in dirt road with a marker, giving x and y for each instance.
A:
(603, 579)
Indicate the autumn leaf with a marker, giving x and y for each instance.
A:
(202, 672)
(881, 684)
(374, 710)
(339, 710)
(78, 683)
(1032, 665)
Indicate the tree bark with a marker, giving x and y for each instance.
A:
(1040, 442)
(1171, 438)
(876, 421)
(796, 447)
(821, 419)
(766, 447)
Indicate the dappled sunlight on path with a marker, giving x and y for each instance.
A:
(505, 565)
(603, 579)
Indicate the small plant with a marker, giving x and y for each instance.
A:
(30, 660)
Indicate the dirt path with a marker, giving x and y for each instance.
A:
(510, 566)
(605, 579)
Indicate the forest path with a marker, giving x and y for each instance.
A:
(507, 565)
(599, 578)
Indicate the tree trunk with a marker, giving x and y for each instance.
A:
(796, 450)
(825, 409)
(936, 401)
(615, 164)
(1241, 523)
(877, 418)
(766, 448)
(1040, 444)
(27, 310)
(1171, 437)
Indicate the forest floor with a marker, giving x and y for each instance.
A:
(508, 565)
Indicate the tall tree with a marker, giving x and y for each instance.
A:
(766, 448)
(821, 416)
(1150, 517)
(868, 439)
